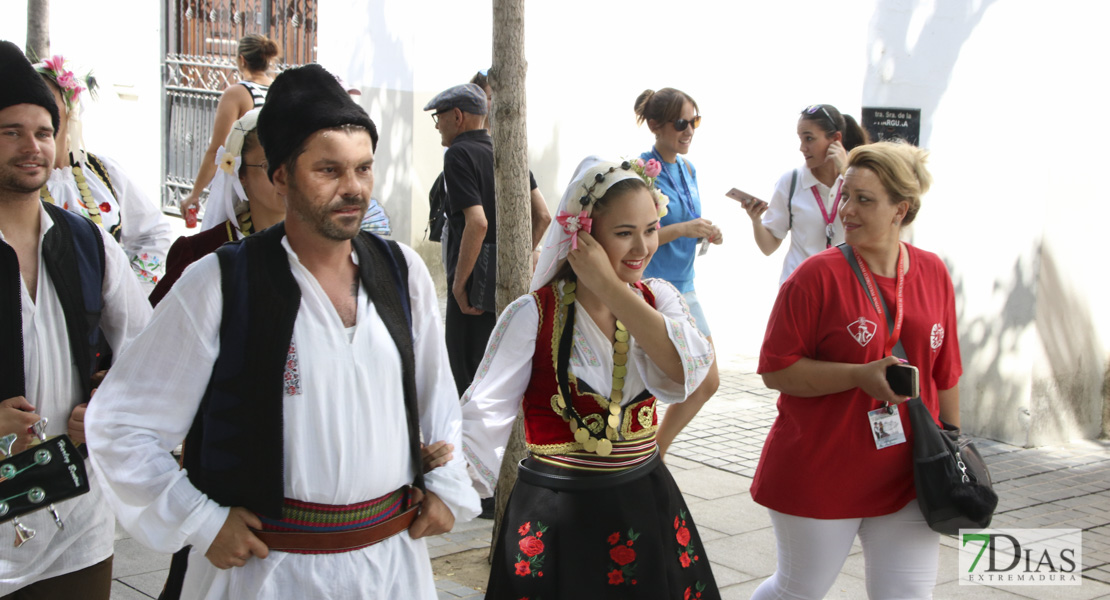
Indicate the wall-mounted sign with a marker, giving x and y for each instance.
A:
(889, 124)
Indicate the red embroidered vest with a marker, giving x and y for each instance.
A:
(545, 430)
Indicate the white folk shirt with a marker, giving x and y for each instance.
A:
(807, 236)
(147, 234)
(54, 389)
(346, 438)
(491, 404)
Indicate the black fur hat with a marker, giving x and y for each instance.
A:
(302, 101)
(22, 84)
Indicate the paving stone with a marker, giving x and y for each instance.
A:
(132, 558)
(121, 591)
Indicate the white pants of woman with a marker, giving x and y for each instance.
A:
(900, 553)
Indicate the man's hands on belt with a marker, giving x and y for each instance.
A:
(236, 543)
(435, 518)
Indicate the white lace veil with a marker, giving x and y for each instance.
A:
(226, 194)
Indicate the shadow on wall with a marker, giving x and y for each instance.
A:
(393, 170)
(996, 404)
(1072, 398)
(931, 58)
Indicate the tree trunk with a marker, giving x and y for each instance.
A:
(511, 185)
(38, 30)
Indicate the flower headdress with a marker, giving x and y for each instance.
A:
(226, 196)
(70, 84)
(590, 182)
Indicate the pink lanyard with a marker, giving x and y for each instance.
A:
(892, 340)
(824, 213)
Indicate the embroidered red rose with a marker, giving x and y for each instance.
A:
(105, 207)
(523, 568)
(531, 546)
(686, 594)
(676, 522)
(683, 536)
(684, 560)
(622, 555)
(633, 582)
(628, 543)
(525, 528)
(539, 534)
(616, 577)
(613, 539)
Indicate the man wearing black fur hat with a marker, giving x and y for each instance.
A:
(64, 282)
(309, 358)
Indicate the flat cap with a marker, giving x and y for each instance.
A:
(468, 97)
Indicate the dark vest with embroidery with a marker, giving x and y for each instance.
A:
(545, 429)
(73, 253)
(234, 451)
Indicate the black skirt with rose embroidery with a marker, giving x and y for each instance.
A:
(633, 540)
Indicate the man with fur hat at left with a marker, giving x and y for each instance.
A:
(308, 362)
(64, 282)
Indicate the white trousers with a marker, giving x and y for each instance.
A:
(900, 553)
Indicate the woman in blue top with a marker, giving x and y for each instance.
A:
(672, 115)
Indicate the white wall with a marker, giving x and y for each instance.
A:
(120, 42)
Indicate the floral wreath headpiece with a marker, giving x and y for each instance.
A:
(70, 84)
(647, 171)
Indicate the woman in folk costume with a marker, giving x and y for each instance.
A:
(241, 201)
(96, 186)
(594, 513)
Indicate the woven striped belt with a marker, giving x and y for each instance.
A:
(626, 454)
(309, 528)
(579, 471)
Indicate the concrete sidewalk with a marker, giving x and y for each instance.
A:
(713, 462)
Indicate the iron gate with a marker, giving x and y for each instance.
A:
(201, 44)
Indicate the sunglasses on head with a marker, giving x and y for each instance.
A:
(812, 110)
(680, 124)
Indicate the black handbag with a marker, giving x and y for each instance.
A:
(953, 483)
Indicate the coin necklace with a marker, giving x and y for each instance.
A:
(86, 195)
(591, 442)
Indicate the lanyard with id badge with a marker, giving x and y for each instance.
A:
(886, 426)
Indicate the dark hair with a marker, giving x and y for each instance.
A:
(854, 135)
(481, 79)
(830, 120)
(662, 106)
(620, 188)
(257, 51)
(291, 162)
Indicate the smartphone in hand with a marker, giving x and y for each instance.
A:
(745, 199)
(903, 379)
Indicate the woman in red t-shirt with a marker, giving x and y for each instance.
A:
(837, 463)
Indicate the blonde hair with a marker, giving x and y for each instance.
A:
(901, 169)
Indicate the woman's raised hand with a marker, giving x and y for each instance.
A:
(838, 155)
(591, 264)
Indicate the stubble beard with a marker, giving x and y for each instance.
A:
(319, 218)
(13, 183)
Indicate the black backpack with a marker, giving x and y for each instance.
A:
(437, 210)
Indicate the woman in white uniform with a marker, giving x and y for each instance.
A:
(806, 199)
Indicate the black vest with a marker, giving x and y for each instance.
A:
(73, 253)
(235, 448)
